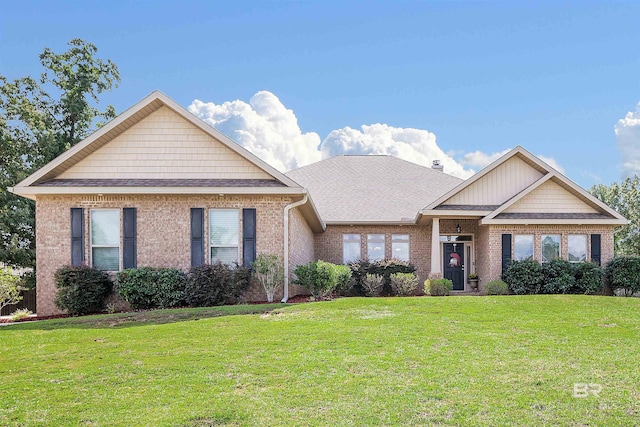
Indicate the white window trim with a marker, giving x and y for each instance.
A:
(91, 245)
(384, 245)
(542, 245)
(359, 240)
(533, 247)
(403, 241)
(210, 246)
(586, 247)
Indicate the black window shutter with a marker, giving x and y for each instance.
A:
(129, 259)
(197, 236)
(248, 237)
(595, 249)
(77, 236)
(506, 251)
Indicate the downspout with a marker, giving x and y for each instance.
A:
(287, 208)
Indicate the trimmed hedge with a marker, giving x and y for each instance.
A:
(322, 278)
(403, 284)
(523, 277)
(216, 284)
(623, 274)
(372, 285)
(555, 277)
(496, 287)
(81, 289)
(149, 287)
(438, 287)
(384, 268)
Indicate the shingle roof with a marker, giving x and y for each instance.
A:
(468, 207)
(371, 188)
(161, 183)
(543, 215)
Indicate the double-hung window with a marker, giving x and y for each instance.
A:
(105, 239)
(350, 248)
(577, 246)
(523, 247)
(375, 247)
(400, 247)
(224, 235)
(550, 247)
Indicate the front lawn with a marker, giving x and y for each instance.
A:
(473, 361)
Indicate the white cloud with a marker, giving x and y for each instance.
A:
(628, 139)
(415, 145)
(479, 160)
(265, 127)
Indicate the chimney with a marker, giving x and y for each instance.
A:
(437, 166)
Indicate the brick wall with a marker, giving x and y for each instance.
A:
(489, 258)
(301, 248)
(328, 245)
(163, 238)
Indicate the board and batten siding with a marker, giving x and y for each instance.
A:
(165, 145)
(498, 185)
(550, 197)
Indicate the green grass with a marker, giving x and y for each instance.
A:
(472, 361)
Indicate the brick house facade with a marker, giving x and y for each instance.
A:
(163, 177)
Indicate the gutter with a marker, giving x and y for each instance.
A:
(287, 208)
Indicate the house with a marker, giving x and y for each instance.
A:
(158, 187)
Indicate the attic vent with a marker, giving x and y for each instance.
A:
(437, 166)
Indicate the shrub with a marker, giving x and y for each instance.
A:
(343, 279)
(438, 287)
(588, 278)
(523, 277)
(21, 313)
(384, 268)
(496, 287)
(149, 287)
(9, 287)
(623, 274)
(372, 285)
(403, 284)
(81, 289)
(558, 277)
(320, 277)
(216, 284)
(269, 272)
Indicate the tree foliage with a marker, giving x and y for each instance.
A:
(624, 198)
(39, 120)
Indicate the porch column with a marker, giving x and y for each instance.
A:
(436, 268)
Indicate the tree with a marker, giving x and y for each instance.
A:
(9, 289)
(39, 120)
(269, 272)
(624, 198)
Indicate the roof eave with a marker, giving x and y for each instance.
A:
(540, 221)
(33, 191)
(370, 222)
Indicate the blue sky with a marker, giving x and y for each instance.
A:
(480, 77)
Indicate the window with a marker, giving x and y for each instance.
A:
(350, 247)
(400, 247)
(550, 247)
(224, 226)
(577, 245)
(105, 239)
(375, 246)
(523, 247)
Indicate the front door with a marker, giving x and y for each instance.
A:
(454, 264)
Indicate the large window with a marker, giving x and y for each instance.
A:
(224, 231)
(577, 245)
(400, 246)
(105, 239)
(550, 246)
(350, 247)
(375, 247)
(523, 247)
